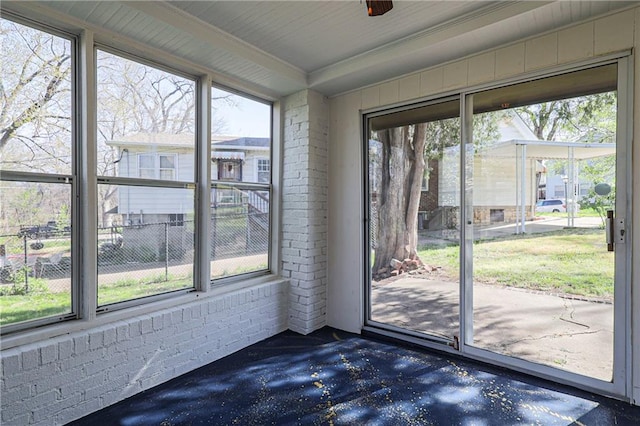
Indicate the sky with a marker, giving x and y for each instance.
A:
(245, 117)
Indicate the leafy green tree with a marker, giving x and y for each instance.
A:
(599, 171)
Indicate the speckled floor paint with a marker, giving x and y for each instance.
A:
(336, 378)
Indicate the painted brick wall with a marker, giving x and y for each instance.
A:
(65, 378)
(304, 208)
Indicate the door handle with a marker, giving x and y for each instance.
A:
(615, 230)
(609, 229)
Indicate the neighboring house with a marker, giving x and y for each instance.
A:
(510, 176)
(171, 157)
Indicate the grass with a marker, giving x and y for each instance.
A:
(37, 305)
(41, 304)
(587, 212)
(571, 261)
(129, 289)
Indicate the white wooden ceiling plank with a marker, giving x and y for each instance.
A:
(167, 14)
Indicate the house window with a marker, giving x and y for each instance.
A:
(264, 170)
(137, 90)
(167, 167)
(152, 166)
(558, 191)
(37, 180)
(146, 166)
(240, 202)
(176, 219)
(230, 170)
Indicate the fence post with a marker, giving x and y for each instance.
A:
(26, 265)
(248, 246)
(166, 251)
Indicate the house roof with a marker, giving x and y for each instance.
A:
(550, 150)
(243, 143)
(187, 141)
(180, 140)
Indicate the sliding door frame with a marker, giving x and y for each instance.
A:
(621, 385)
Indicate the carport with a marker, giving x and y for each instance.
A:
(534, 150)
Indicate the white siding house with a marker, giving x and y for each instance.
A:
(171, 157)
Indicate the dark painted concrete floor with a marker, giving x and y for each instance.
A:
(334, 378)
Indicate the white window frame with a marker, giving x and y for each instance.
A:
(51, 178)
(84, 182)
(156, 168)
(259, 167)
(622, 298)
(220, 183)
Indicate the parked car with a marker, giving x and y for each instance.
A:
(551, 206)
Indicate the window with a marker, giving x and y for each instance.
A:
(240, 199)
(176, 219)
(151, 166)
(230, 170)
(264, 170)
(148, 112)
(146, 166)
(37, 177)
(143, 158)
(167, 167)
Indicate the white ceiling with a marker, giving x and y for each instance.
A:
(279, 47)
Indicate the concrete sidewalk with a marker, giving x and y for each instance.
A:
(574, 335)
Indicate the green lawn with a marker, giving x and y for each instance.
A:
(572, 261)
(38, 305)
(41, 304)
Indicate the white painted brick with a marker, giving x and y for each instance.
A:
(96, 340)
(146, 325)
(11, 411)
(109, 373)
(48, 354)
(11, 362)
(23, 419)
(65, 349)
(16, 395)
(79, 410)
(30, 358)
(109, 336)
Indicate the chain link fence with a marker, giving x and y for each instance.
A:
(40, 260)
(35, 259)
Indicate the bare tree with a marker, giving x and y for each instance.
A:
(35, 93)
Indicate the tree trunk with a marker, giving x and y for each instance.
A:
(399, 198)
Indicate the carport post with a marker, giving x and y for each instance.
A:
(523, 185)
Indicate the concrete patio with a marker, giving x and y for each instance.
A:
(571, 334)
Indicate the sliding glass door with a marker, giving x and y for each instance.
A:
(414, 193)
(497, 224)
(543, 274)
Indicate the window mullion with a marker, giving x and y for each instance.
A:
(85, 233)
(202, 267)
